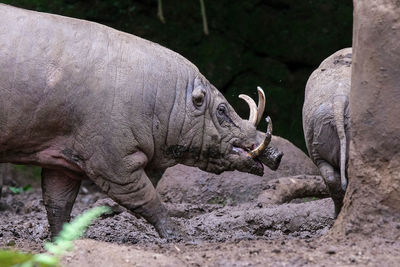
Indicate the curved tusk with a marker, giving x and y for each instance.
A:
(264, 144)
(253, 108)
(261, 104)
(256, 111)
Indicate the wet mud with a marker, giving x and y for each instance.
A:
(233, 219)
(247, 234)
(24, 219)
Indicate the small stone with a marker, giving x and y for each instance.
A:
(277, 251)
(255, 252)
(11, 243)
(27, 225)
(331, 251)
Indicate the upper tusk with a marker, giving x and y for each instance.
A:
(264, 144)
(256, 111)
(253, 108)
(261, 104)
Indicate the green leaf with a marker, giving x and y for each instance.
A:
(19, 190)
(10, 257)
(63, 242)
(16, 190)
(73, 230)
(45, 259)
(27, 188)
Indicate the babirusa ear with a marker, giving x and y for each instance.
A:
(198, 96)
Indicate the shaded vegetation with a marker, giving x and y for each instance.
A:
(19, 190)
(61, 244)
(272, 43)
(28, 170)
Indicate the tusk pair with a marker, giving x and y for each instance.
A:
(256, 112)
(264, 144)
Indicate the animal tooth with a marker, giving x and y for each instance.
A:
(261, 147)
(236, 149)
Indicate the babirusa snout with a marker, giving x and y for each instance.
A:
(269, 156)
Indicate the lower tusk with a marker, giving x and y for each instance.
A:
(264, 144)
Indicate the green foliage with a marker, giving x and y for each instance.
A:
(19, 190)
(62, 243)
(29, 170)
(11, 258)
(74, 230)
(308, 199)
(218, 200)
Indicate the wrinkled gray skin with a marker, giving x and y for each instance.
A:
(84, 101)
(326, 121)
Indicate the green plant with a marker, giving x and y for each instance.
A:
(19, 190)
(218, 200)
(31, 171)
(308, 199)
(62, 243)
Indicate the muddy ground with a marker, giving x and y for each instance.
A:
(229, 219)
(247, 234)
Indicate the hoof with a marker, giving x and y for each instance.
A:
(171, 231)
(337, 198)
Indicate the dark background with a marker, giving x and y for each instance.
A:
(275, 44)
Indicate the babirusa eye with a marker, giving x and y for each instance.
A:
(221, 110)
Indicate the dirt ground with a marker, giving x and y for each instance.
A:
(247, 234)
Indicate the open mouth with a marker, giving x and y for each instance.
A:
(259, 164)
(262, 154)
(240, 150)
(245, 152)
(271, 156)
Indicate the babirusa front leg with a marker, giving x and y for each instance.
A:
(134, 191)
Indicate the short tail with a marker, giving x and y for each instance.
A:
(339, 106)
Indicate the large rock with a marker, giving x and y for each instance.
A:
(183, 184)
